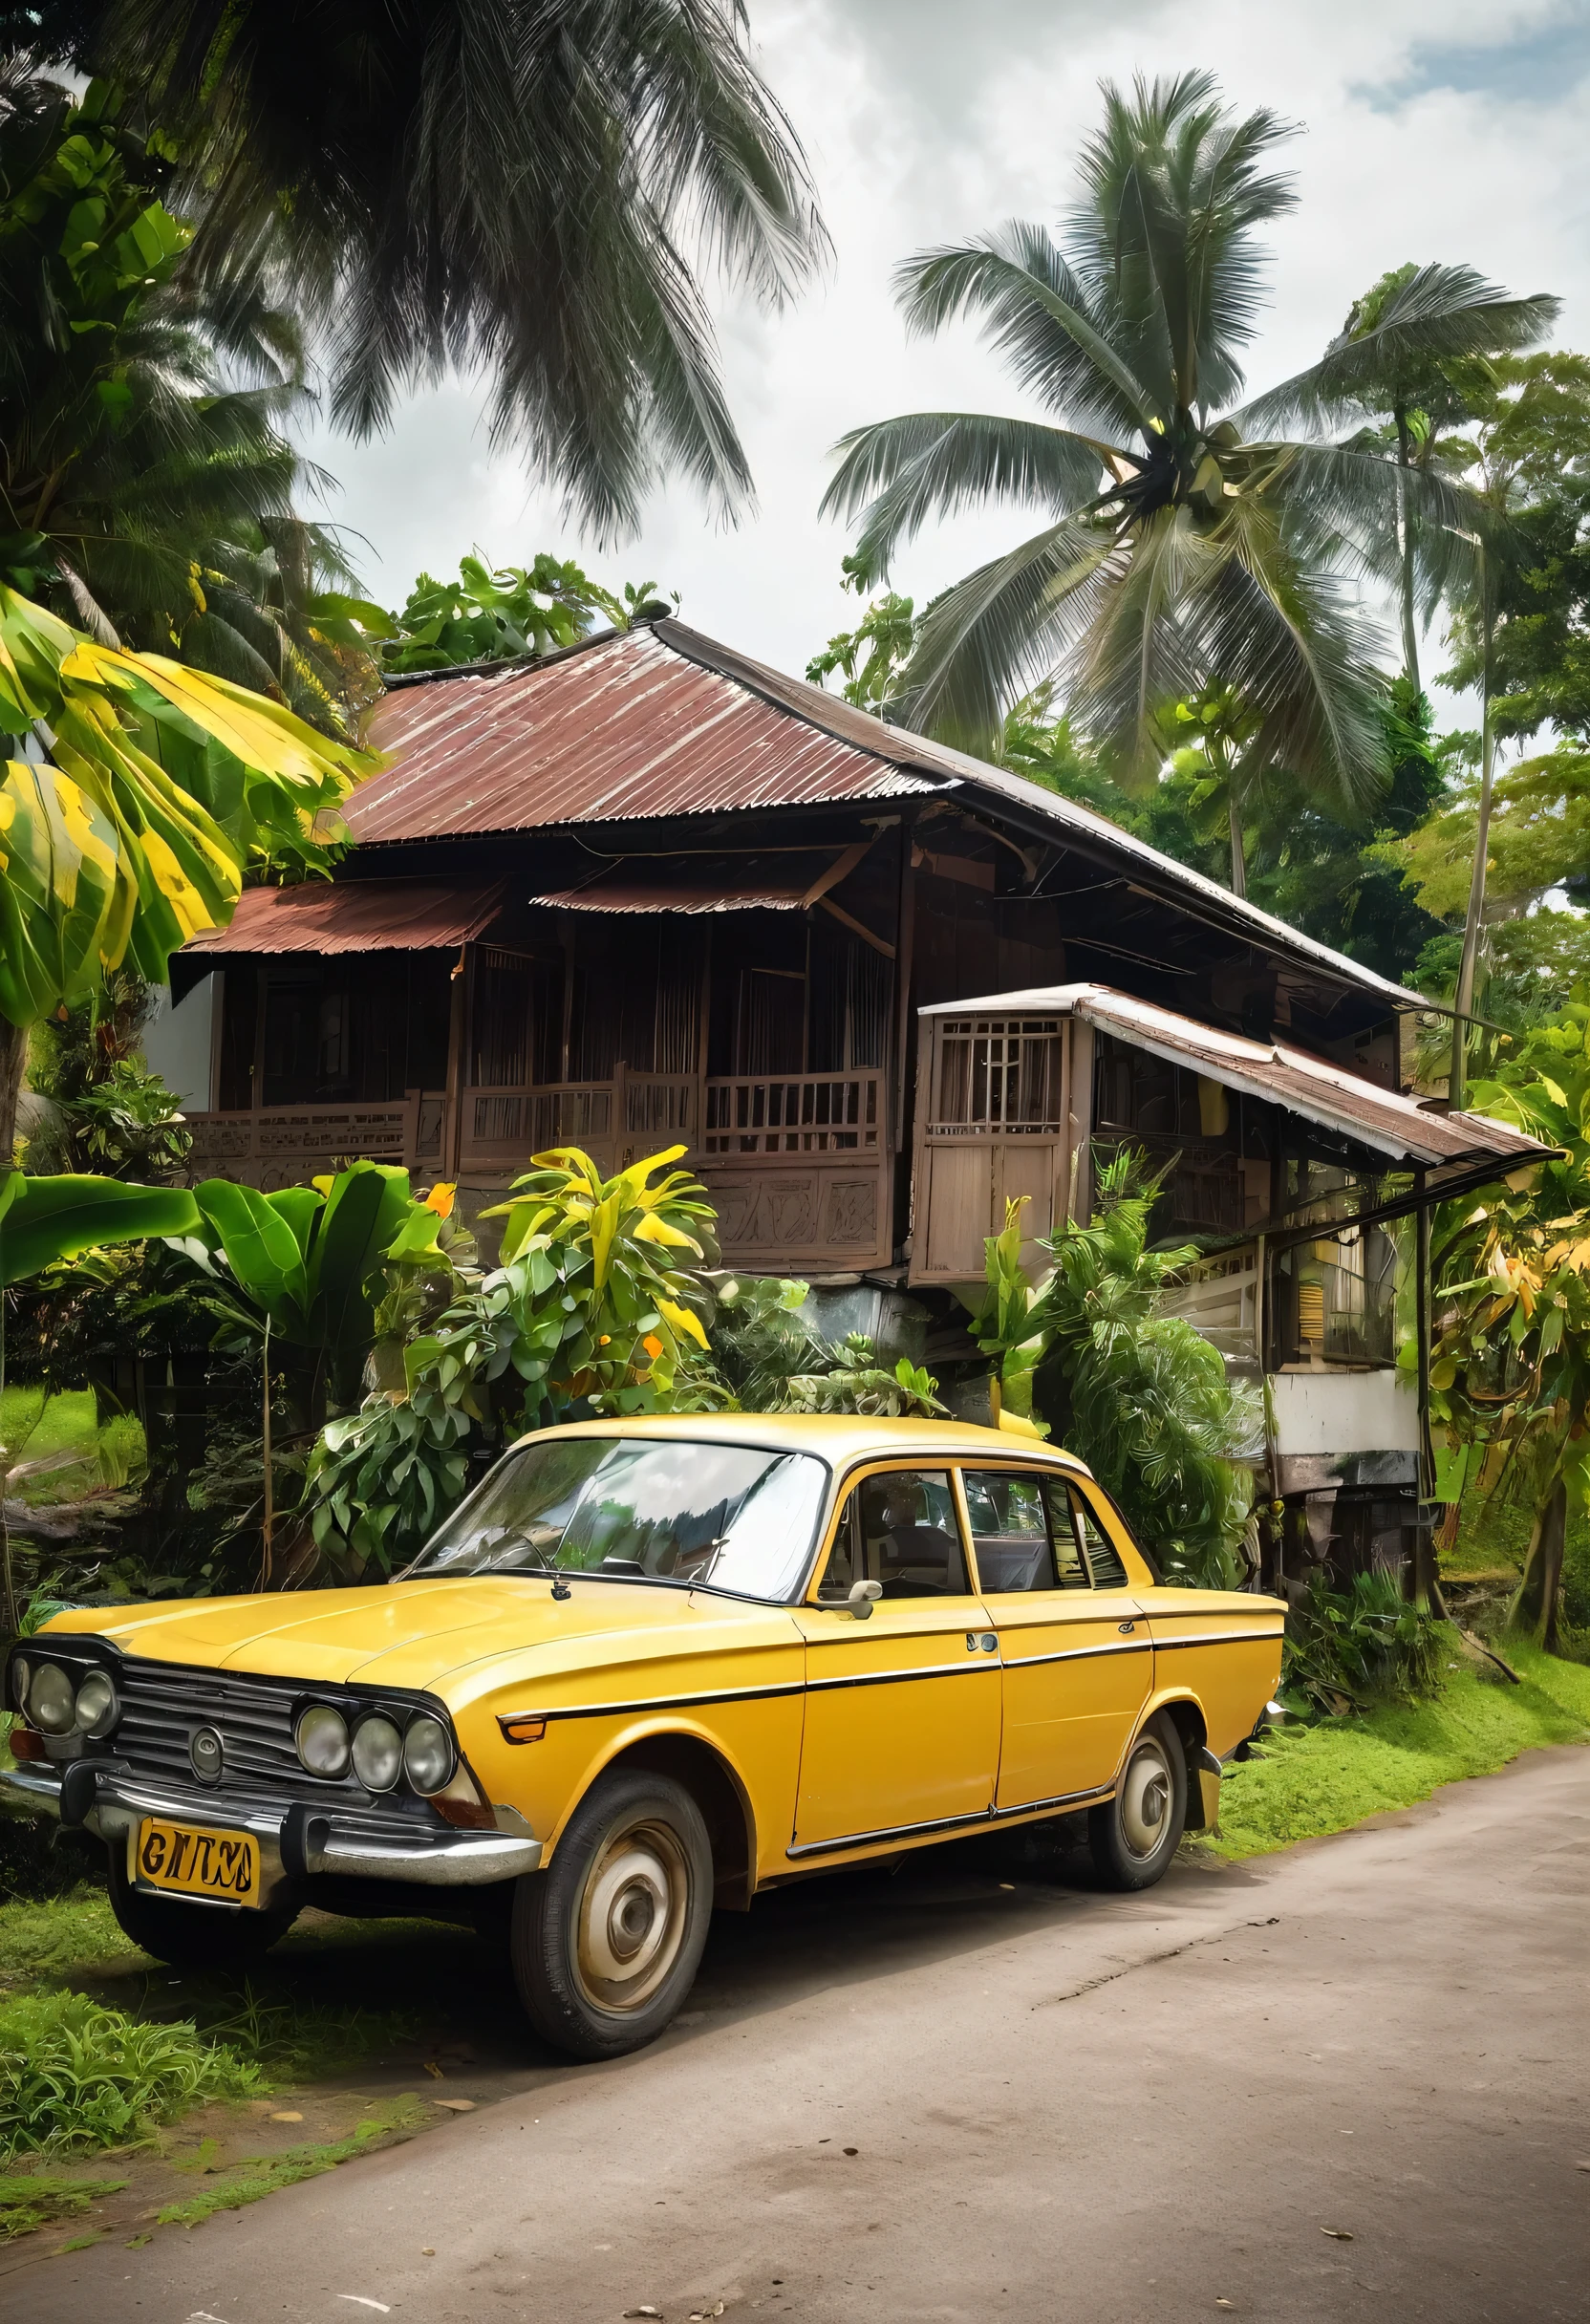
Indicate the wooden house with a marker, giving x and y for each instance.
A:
(648, 891)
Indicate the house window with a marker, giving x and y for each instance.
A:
(999, 1073)
(1345, 1298)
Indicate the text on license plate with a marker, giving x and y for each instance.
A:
(221, 1864)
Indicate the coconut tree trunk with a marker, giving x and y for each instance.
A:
(1239, 860)
(1475, 922)
(14, 1061)
(1534, 1610)
(1404, 555)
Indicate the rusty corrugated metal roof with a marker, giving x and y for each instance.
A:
(356, 916)
(622, 728)
(663, 721)
(1330, 1096)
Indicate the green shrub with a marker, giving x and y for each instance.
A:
(1345, 1647)
(74, 2074)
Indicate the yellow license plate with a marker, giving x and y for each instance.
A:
(190, 1861)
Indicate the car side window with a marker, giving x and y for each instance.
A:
(1010, 1530)
(1103, 1559)
(900, 1530)
(1066, 1534)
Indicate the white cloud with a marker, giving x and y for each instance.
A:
(1425, 138)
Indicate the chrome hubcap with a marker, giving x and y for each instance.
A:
(632, 1915)
(1146, 1797)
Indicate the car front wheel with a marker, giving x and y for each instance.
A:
(606, 1941)
(1134, 1836)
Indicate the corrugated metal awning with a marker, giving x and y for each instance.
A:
(781, 880)
(1329, 1096)
(355, 915)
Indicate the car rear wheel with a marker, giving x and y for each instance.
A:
(192, 1936)
(606, 1941)
(1134, 1836)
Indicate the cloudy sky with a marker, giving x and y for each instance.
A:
(1429, 129)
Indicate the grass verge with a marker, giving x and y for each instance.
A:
(37, 2200)
(1311, 1780)
(263, 2174)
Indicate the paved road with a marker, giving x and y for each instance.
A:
(937, 2097)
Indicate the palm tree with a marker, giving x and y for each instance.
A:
(1405, 364)
(146, 494)
(512, 186)
(1180, 553)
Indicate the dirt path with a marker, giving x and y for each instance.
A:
(937, 2096)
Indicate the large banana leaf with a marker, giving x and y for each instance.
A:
(161, 786)
(42, 1220)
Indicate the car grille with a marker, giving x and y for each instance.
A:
(162, 1703)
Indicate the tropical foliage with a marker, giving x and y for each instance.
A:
(591, 1310)
(1138, 1393)
(1179, 551)
(1346, 1647)
(497, 614)
(161, 788)
(1510, 1371)
(508, 188)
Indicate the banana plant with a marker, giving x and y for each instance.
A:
(299, 1266)
(136, 795)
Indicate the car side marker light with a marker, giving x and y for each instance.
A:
(522, 1730)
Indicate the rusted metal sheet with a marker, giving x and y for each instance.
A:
(1330, 1096)
(355, 915)
(626, 727)
(784, 880)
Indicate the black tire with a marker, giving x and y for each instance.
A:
(1134, 1836)
(193, 1936)
(628, 1891)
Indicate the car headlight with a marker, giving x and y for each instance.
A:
(96, 1709)
(51, 1701)
(378, 1753)
(322, 1740)
(427, 1753)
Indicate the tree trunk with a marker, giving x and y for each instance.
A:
(13, 1063)
(1238, 862)
(1534, 1610)
(1404, 555)
(1475, 922)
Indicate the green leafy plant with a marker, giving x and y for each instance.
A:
(761, 1339)
(74, 2074)
(1345, 1647)
(1003, 1326)
(856, 1382)
(504, 612)
(1137, 1393)
(587, 1313)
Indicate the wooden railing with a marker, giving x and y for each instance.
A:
(276, 1146)
(810, 1114)
(614, 1121)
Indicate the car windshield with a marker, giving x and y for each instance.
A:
(734, 1518)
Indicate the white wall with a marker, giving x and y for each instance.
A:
(179, 1042)
(1345, 1412)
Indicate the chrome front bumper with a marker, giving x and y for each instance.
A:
(111, 1803)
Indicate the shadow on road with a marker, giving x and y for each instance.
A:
(377, 2003)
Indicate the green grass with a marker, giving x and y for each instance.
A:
(249, 2180)
(35, 1426)
(1326, 1778)
(76, 2075)
(34, 2200)
(40, 1944)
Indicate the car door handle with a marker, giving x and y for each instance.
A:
(1126, 1626)
(987, 1640)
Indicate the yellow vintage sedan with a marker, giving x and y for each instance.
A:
(649, 1667)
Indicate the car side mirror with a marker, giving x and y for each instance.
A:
(863, 1594)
